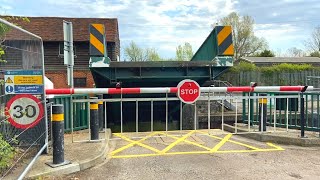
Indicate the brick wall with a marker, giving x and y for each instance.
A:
(59, 78)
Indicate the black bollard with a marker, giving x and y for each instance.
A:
(94, 120)
(263, 113)
(58, 133)
(100, 112)
(302, 120)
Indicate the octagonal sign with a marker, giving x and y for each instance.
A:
(188, 91)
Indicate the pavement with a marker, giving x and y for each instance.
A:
(81, 153)
(197, 155)
(277, 135)
(189, 154)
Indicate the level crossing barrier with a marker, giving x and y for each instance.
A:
(207, 95)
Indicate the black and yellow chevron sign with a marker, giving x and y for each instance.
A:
(97, 34)
(224, 39)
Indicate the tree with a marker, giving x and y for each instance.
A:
(265, 53)
(184, 52)
(152, 55)
(244, 41)
(135, 53)
(315, 54)
(295, 52)
(313, 43)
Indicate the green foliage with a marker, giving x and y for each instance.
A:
(315, 54)
(135, 53)
(184, 52)
(265, 53)
(244, 67)
(244, 41)
(7, 153)
(285, 67)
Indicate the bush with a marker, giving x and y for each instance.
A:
(7, 153)
(244, 67)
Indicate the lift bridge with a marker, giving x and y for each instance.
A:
(214, 56)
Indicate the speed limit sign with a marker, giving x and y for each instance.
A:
(24, 111)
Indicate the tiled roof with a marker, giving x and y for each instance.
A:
(282, 59)
(51, 28)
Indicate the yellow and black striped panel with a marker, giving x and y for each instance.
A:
(224, 40)
(97, 34)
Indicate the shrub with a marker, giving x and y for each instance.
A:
(7, 153)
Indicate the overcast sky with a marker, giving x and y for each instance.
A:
(164, 24)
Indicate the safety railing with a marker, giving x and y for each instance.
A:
(284, 110)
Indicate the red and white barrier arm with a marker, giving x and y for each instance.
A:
(163, 90)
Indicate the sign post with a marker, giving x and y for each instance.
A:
(188, 91)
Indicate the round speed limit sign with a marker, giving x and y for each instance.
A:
(24, 111)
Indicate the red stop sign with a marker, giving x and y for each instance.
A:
(188, 91)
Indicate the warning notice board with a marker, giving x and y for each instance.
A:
(23, 82)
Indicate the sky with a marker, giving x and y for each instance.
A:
(165, 24)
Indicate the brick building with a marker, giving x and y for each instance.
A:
(50, 29)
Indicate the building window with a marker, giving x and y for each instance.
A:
(80, 82)
(61, 50)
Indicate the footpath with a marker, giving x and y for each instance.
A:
(82, 155)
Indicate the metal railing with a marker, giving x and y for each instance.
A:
(284, 110)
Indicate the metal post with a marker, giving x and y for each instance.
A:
(263, 113)
(209, 113)
(302, 120)
(236, 121)
(180, 116)
(100, 112)
(58, 134)
(249, 113)
(105, 119)
(151, 115)
(275, 115)
(137, 116)
(287, 115)
(195, 116)
(94, 121)
(222, 114)
(166, 112)
(121, 115)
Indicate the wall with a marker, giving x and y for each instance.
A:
(59, 78)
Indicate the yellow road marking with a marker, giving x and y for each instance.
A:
(234, 142)
(277, 147)
(215, 149)
(195, 152)
(176, 142)
(221, 143)
(190, 142)
(135, 143)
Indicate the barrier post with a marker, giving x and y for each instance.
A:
(100, 112)
(58, 136)
(94, 120)
(302, 120)
(263, 113)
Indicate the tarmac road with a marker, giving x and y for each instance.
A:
(292, 163)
